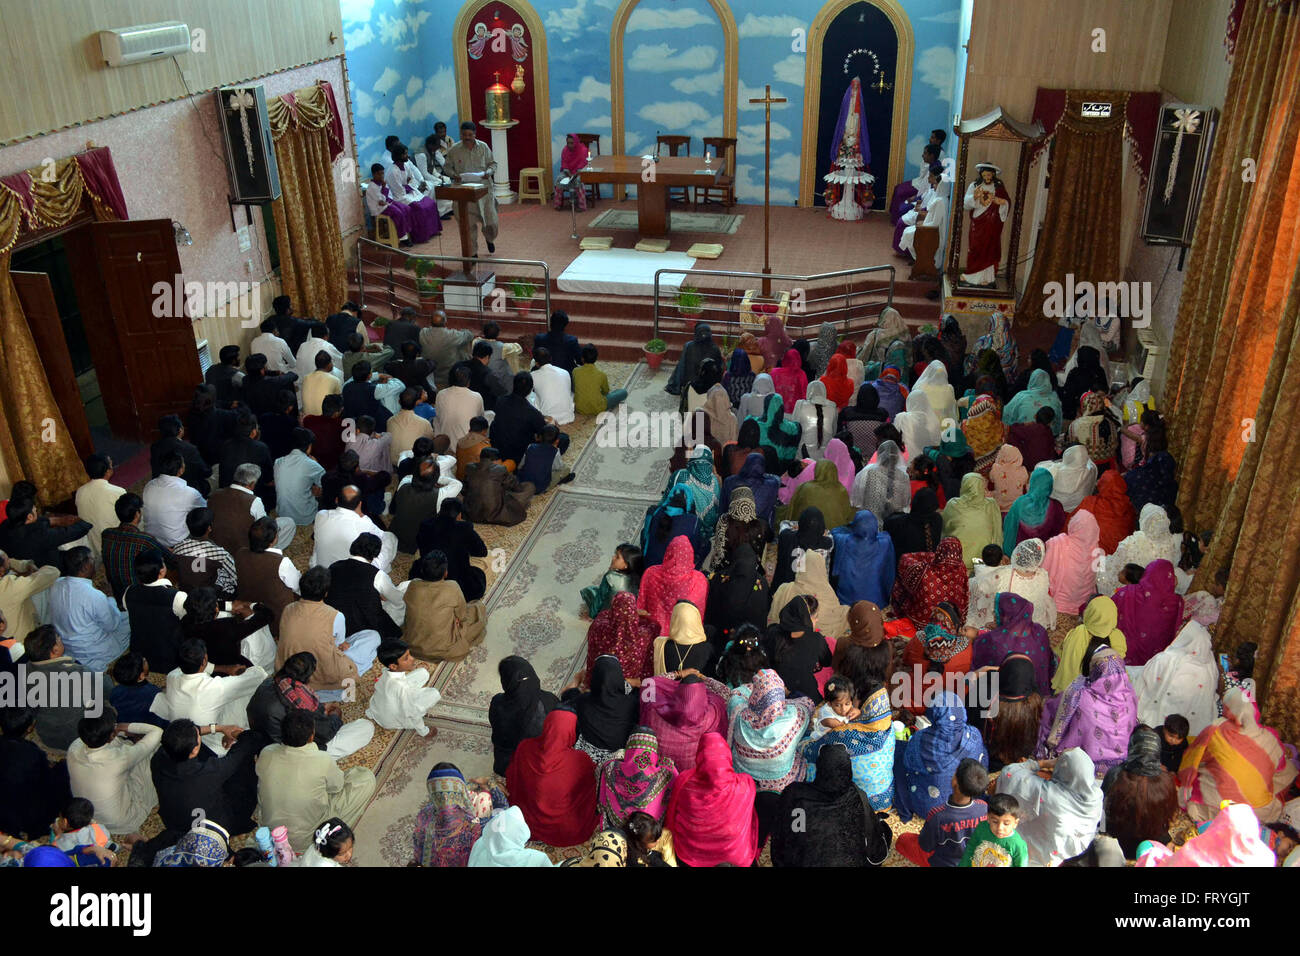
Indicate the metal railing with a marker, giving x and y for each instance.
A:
(386, 264)
(808, 306)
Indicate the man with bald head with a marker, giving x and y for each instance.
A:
(444, 347)
(336, 528)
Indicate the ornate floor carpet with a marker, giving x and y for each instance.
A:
(723, 223)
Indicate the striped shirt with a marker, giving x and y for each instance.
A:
(204, 550)
(121, 545)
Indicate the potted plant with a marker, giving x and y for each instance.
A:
(690, 303)
(523, 291)
(655, 350)
(428, 289)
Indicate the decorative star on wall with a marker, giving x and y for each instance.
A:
(875, 60)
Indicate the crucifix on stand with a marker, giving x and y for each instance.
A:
(767, 100)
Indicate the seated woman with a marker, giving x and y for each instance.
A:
(928, 578)
(624, 574)
(711, 811)
(1153, 481)
(1109, 504)
(1014, 633)
(1235, 759)
(607, 712)
(1058, 816)
(883, 486)
(676, 579)
(1181, 679)
(1150, 613)
(778, 433)
(789, 380)
(696, 393)
(685, 647)
(505, 843)
(765, 729)
(764, 487)
(1152, 541)
(675, 516)
(1096, 428)
(920, 529)
(1074, 477)
(1008, 478)
(869, 742)
(941, 646)
(739, 525)
(811, 579)
(983, 429)
(839, 830)
(864, 561)
(839, 387)
(923, 777)
(753, 403)
(1096, 713)
(797, 650)
(553, 783)
(1069, 561)
(702, 481)
(793, 542)
(448, 826)
(620, 632)
(1035, 514)
(825, 492)
(451, 532)
(1011, 735)
(1098, 626)
(1140, 796)
(636, 778)
(738, 595)
(573, 160)
(679, 713)
(739, 377)
(863, 418)
(973, 518)
(1038, 393)
(517, 713)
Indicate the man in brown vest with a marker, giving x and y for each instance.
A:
(262, 574)
(235, 508)
(312, 625)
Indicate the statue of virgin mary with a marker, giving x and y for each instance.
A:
(848, 184)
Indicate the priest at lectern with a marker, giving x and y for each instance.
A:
(471, 161)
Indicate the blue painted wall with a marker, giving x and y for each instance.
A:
(399, 55)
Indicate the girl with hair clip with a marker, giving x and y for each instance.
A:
(332, 845)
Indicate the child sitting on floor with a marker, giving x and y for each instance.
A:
(995, 841)
(837, 708)
(648, 843)
(624, 574)
(1173, 741)
(134, 694)
(942, 840)
(77, 828)
(401, 698)
(542, 465)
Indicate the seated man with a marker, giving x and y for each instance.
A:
(32, 792)
(402, 329)
(265, 575)
(288, 690)
(552, 388)
(591, 393)
(363, 594)
(203, 562)
(155, 609)
(406, 426)
(336, 529)
(381, 202)
(234, 510)
(123, 544)
(312, 625)
(297, 481)
(931, 210)
(372, 485)
(327, 432)
(325, 380)
(543, 466)
(112, 772)
(31, 536)
(440, 623)
(444, 347)
(359, 348)
(94, 630)
(407, 185)
(298, 786)
(458, 403)
(344, 323)
(96, 498)
(373, 448)
(481, 381)
(56, 722)
(370, 395)
(562, 346)
(187, 773)
(492, 494)
(248, 448)
(262, 388)
(276, 426)
(167, 500)
(226, 377)
(501, 373)
(194, 692)
(293, 329)
(414, 371)
(197, 471)
(279, 357)
(517, 423)
(471, 446)
(20, 581)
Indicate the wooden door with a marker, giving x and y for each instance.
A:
(42, 313)
(148, 362)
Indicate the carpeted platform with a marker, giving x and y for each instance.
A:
(622, 272)
(680, 221)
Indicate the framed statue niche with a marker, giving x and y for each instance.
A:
(980, 276)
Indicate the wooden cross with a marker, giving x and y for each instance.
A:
(767, 100)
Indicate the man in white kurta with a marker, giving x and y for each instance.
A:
(279, 357)
(471, 161)
(931, 210)
(96, 498)
(337, 528)
(456, 405)
(115, 777)
(552, 390)
(195, 693)
(168, 500)
(401, 697)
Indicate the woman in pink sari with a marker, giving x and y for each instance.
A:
(1096, 713)
(679, 713)
(638, 777)
(838, 454)
(711, 811)
(676, 579)
(573, 159)
(1069, 564)
(1150, 612)
(774, 343)
(790, 381)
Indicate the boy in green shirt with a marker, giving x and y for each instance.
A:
(995, 842)
(591, 394)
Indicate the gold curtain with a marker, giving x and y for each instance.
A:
(306, 215)
(1080, 232)
(1236, 433)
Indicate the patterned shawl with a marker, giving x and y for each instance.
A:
(446, 827)
(620, 632)
(876, 345)
(703, 481)
(676, 579)
(1000, 340)
(819, 356)
(764, 730)
(924, 775)
(1014, 632)
(740, 376)
(635, 778)
(928, 578)
(983, 429)
(679, 714)
(1096, 713)
(870, 743)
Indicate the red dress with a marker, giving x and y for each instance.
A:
(620, 631)
(928, 578)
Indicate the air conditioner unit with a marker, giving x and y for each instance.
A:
(126, 45)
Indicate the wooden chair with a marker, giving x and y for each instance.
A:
(592, 142)
(675, 144)
(723, 191)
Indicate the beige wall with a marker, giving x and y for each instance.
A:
(55, 76)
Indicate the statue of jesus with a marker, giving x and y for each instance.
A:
(989, 204)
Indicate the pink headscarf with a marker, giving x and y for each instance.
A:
(790, 381)
(774, 341)
(1069, 563)
(680, 714)
(837, 453)
(1150, 612)
(663, 585)
(575, 157)
(711, 811)
(789, 485)
(1008, 477)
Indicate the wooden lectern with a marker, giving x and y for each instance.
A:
(925, 246)
(464, 291)
(462, 196)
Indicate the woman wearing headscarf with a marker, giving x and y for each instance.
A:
(984, 431)
(1109, 504)
(1038, 361)
(929, 578)
(747, 443)
(839, 387)
(674, 517)
(852, 367)
(554, 784)
(790, 381)
(883, 487)
(764, 731)
(1000, 340)
(1153, 480)
(890, 329)
(820, 352)
(1096, 428)
(620, 632)
(676, 579)
(920, 529)
(753, 402)
(1235, 759)
(722, 420)
(864, 561)
(763, 487)
(934, 384)
(774, 342)
(517, 713)
(869, 740)
(811, 578)
(1096, 713)
(685, 646)
(1150, 613)
(809, 534)
(817, 418)
(919, 425)
(505, 843)
(1038, 394)
(1035, 514)
(1140, 795)
(679, 713)
(838, 454)
(1024, 576)
(1008, 477)
(867, 632)
(1011, 734)
(711, 811)
(447, 827)
(941, 646)
(740, 524)
(638, 777)
(840, 828)
(1059, 816)
(1074, 477)
(1181, 679)
(738, 594)
(1069, 563)
(739, 378)
(796, 647)
(1152, 541)
(694, 353)
(891, 391)
(1086, 376)
(1098, 625)
(923, 777)
(825, 492)
(573, 159)
(1014, 632)
(953, 340)
(778, 433)
(606, 713)
(750, 344)
(702, 480)
(863, 418)
(707, 376)
(973, 518)
(988, 366)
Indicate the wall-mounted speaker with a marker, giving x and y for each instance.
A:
(250, 153)
(1178, 173)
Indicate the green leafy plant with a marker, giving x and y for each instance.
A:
(689, 299)
(929, 329)
(523, 290)
(656, 345)
(421, 267)
(379, 322)
(428, 286)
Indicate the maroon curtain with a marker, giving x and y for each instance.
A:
(1142, 116)
(335, 127)
(100, 177)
